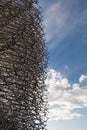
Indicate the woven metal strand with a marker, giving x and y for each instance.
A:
(23, 62)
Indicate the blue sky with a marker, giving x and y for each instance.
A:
(65, 24)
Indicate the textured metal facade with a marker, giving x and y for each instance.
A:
(23, 62)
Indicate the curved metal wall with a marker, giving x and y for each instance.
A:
(23, 62)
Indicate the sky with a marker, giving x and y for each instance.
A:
(65, 24)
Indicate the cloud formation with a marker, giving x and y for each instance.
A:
(83, 78)
(62, 19)
(65, 98)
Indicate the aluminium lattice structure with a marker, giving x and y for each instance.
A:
(23, 62)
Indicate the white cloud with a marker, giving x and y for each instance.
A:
(56, 79)
(55, 21)
(64, 97)
(83, 78)
(62, 114)
(61, 19)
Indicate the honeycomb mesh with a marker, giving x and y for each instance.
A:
(23, 62)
